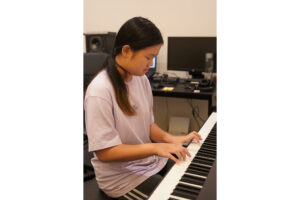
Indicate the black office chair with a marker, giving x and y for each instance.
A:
(92, 192)
(92, 62)
(88, 169)
(91, 189)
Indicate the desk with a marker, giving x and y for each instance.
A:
(180, 91)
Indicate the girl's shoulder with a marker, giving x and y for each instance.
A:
(100, 86)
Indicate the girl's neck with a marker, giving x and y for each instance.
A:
(122, 70)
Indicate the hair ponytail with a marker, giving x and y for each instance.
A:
(120, 89)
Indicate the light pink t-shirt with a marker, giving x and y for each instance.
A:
(108, 126)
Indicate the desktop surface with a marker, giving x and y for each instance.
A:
(182, 88)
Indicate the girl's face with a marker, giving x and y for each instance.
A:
(140, 61)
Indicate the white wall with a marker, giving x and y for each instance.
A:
(172, 17)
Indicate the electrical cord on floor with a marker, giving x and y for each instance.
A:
(195, 112)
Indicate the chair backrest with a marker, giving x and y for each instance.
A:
(92, 64)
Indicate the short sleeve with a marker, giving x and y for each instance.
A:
(100, 124)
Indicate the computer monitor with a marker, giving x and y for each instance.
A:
(152, 69)
(188, 53)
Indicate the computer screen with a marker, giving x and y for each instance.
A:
(154, 64)
(152, 69)
(188, 53)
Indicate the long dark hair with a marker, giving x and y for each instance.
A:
(138, 33)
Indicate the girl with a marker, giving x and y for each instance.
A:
(130, 150)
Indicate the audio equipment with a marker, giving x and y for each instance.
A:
(103, 42)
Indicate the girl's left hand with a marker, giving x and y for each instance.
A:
(183, 139)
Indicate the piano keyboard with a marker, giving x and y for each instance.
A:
(186, 179)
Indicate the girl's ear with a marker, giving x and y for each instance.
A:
(126, 51)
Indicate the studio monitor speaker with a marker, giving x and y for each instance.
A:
(100, 42)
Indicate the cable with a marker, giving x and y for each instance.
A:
(195, 112)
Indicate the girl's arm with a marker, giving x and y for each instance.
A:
(158, 135)
(125, 152)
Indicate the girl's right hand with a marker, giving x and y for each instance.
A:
(167, 149)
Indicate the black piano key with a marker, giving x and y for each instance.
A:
(212, 145)
(199, 166)
(212, 133)
(207, 154)
(171, 198)
(210, 142)
(213, 149)
(183, 194)
(202, 156)
(204, 162)
(209, 146)
(197, 172)
(204, 159)
(201, 161)
(188, 188)
(203, 148)
(186, 192)
(208, 150)
(211, 136)
(182, 189)
(192, 180)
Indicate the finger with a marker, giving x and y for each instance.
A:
(194, 137)
(187, 152)
(179, 156)
(197, 136)
(173, 158)
(183, 154)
